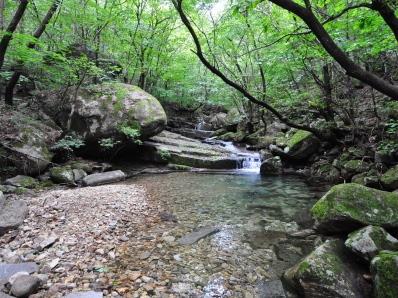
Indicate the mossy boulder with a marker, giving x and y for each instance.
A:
(301, 145)
(62, 175)
(328, 272)
(367, 179)
(356, 166)
(390, 178)
(271, 166)
(347, 207)
(25, 146)
(384, 268)
(102, 111)
(233, 136)
(369, 241)
(22, 181)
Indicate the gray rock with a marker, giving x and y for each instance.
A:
(25, 285)
(271, 166)
(13, 278)
(8, 270)
(270, 289)
(45, 241)
(12, 215)
(104, 178)
(4, 295)
(87, 294)
(195, 236)
(78, 174)
(369, 241)
(22, 181)
(8, 189)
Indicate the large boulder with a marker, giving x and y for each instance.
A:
(369, 241)
(347, 207)
(25, 145)
(328, 272)
(108, 110)
(390, 178)
(384, 269)
(271, 166)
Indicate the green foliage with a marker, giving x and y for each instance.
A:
(108, 143)
(132, 132)
(164, 154)
(69, 143)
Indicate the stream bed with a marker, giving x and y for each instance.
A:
(255, 216)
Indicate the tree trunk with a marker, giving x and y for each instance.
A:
(327, 92)
(9, 93)
(5, 41)
(2, 8)
(352, 69)
(388, 15)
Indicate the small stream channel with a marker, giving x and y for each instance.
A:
(255, 216)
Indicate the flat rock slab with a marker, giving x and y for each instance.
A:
(8, 270)
(87, 294)
(12, 215)
(195, 236)
(103, 178)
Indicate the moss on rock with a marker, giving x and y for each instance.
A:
(326, 273)
(298, 137)
(62, 175)
(390, 178)
(346, 207)
(369, 241)
(384, 268)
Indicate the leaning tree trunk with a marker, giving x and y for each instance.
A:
(9, 92)
(5, 41)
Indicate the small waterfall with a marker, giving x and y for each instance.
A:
(200, 125)
(249, 163)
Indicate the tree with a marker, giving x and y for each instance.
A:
(307, 14)
(12, 26)
(9, 92)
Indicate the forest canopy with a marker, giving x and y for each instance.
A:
(269, 48)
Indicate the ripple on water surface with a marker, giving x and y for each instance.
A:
(255, 215)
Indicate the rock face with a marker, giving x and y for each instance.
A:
(168, 147)
(327, 272)
(12, 215)
(103, 178)
(390, 178)
(384, 269)
(347, 207)
(369, 241)
(29, 135)
(101, 111)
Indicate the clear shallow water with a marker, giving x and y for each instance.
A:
(254, 214)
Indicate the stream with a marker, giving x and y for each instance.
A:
(255, 216)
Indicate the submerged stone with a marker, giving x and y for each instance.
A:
(195, 236)
(327, 272)
(369, 241)
(384, 269)
(347, 207)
